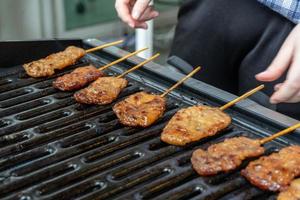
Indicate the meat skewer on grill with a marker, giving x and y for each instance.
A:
(292, 192)
(274, 172)
(229, 155)
(58, 61)
(106, 89)
(82, 76)
(277, 171)
(197, 122)
(143, 109)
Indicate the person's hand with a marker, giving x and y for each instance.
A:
(135, 13)
(288, 58)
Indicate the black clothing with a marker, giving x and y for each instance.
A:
(232, 40)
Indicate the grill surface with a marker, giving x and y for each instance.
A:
(53, 148)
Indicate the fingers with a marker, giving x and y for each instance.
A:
(290, 89)
(277, 86)
(294, 99)
(123, 10)
(284, 94)
(139, 8)
(280, 63)
(140, 24)
(149, 14)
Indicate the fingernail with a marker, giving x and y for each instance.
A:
(136, 15)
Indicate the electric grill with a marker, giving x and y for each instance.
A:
(53, 148)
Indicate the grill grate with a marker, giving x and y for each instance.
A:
(53, 148)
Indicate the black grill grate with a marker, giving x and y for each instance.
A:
(53, 148)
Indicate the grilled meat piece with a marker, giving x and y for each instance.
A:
(140, 109)
(78, 78)
(194, 123)
(275, 172)
(225, 156)
(102, 91)
(47, 66)
(292, 192)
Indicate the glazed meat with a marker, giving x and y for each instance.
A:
(78, 78)
(225, 156)
(102, 91)
(57, 61)
(140, 109)
(194, 123)
(275, 172)
(292, 192)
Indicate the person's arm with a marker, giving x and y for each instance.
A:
(288, 58)
(135, 13)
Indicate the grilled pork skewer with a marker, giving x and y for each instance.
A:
(82, 76)
(292, 192)
(228, 155)
(194, 123)
(58, 61)
(143, 109)
(106, 89)
(274, 172)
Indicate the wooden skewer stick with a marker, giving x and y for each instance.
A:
(104, 46)
(139, 65)
(121, 59)
(180, 82)
(244, 96)
(281, 133)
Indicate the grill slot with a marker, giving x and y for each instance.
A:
(120, 173)
(85, 188)
(123, 143)
(13, 138)
(4, 123)
(54, 148)
(62, 155)
(24, 107)
(187, 191)
(35, 121)
(145, 177)
(26, 98)
(5, 81)
(39, 111)
(87, 135)
(15, 93)
(24, 158)
(89, 113)
(43, 139)
(19, 184)
(223, 190)
(175, 180)
(82, 174)
(246, 193)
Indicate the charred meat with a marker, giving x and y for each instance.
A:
(194, 123)
(140, 109)
(225, 156)
(57, 61)
(102, 91)
(292, 192)
(275, 172)
(78, 78)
